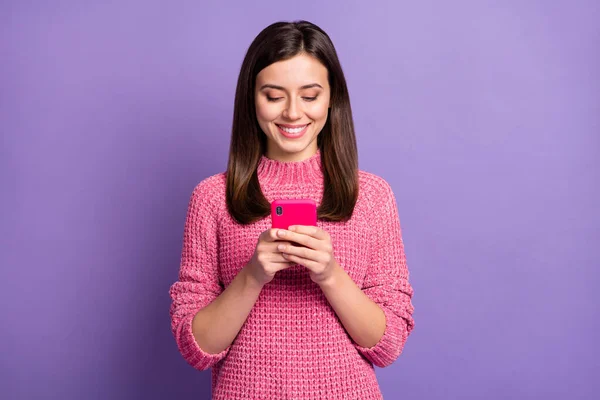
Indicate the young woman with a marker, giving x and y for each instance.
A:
(304, 312)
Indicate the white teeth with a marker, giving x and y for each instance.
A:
(293, 130)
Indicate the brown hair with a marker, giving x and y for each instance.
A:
(337, 142)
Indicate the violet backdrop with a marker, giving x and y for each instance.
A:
(482, 115)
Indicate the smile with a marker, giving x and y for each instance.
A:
(293, 132)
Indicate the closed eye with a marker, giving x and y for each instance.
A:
(273, 99)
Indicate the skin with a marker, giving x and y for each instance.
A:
(291, 92)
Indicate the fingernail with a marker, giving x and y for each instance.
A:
(281, 247)
(281, 232)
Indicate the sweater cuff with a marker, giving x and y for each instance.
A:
(192, 353)
(389, 347)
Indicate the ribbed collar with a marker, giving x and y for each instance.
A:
(291, 172)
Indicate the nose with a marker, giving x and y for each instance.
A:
(292, 111)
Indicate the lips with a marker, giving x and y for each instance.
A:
(292, 131)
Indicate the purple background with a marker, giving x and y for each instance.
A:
(483, 116)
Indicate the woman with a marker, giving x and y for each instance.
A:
(302, 313)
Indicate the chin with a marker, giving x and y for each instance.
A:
(291, 149)
(296, 149)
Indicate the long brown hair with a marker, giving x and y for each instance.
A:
(337, 142)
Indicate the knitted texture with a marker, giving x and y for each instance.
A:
(292, 345)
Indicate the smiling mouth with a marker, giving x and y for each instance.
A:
(292, 131)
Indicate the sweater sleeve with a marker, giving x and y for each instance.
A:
(386, 282)
(198, 284)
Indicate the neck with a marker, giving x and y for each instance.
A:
(275, 153)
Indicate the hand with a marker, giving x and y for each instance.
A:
(317, 255)
(267, 260)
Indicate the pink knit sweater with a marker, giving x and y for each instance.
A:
(292, 345)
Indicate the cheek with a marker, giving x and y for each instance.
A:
(266, 112)
(318, 112)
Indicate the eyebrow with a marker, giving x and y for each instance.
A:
(269, 86)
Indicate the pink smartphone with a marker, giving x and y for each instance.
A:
(285, 213)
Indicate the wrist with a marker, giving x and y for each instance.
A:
(333, 279)
(250, 281)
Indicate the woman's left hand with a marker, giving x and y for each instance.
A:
(317, 256)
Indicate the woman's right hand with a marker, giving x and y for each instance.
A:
(267, 260)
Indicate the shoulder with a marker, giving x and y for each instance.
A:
(378, 194)
(213, 184)
(374, 187)
(210, 192)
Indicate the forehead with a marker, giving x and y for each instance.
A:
(294, 72)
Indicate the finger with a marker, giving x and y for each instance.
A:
(279, 258)
(280, 261)
(310, 264)
(303, 252)
(270, 235)
(299, 238)
(313, 231)
(282, 266)
(274, 247)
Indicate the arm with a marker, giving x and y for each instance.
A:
(378, 317)
(362, 318)
(205, 319)
(215, 326)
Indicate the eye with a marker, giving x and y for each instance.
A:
(310, 98)
(273, 98)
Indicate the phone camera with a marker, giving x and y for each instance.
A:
(279, 210)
